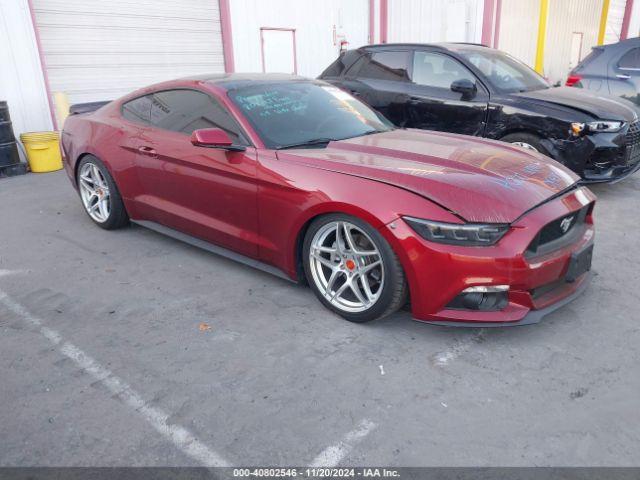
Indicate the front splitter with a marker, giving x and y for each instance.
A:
(534, 316)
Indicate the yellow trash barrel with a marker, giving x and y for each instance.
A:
(43, 151)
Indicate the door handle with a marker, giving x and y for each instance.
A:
(622, 76)
(148, 151)
(355, 93)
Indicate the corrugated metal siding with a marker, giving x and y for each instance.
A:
(614, 21)
(566, 17)
(313, 21)
(99, 50)
(519, 29)
(435, 20)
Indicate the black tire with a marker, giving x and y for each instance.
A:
(528, 138)
(118, 217)
(394, 287)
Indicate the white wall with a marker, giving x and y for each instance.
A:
(21, 80)
(519, 29)
(313, 21)
(425, 21)
(376, 22)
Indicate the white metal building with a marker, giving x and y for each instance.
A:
(572, 29)
(302, 36)
(96, 50)
(100, 49)
(435, 21)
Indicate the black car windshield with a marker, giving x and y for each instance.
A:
(306, 114)
(504, 72)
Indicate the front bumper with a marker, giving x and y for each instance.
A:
(437, 273)
(600, 157)
(534, 316)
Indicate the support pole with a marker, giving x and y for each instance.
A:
(626, 20)
(603, 21)
(542, 36)
(496, 28)
(384, 20)
(487, 22)
(227, 36)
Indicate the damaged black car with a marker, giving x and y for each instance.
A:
(476, 90)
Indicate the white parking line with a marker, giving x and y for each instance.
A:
(182, 438)
(4, 273)
(331, 456)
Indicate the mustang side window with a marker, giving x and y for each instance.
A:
(436, 70)
(138, 110)
(184, 111)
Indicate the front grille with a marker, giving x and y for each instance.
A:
(558, 233)
(632, 142)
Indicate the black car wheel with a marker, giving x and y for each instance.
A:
(529, 141)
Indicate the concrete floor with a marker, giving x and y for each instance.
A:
(104, 361)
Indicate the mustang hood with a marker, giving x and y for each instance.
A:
(477, 179)
(601, 107)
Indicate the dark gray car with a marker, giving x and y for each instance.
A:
(612, 69)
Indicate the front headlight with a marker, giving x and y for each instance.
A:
(604, 126)
(469, 234)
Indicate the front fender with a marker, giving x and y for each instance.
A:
(291, 195)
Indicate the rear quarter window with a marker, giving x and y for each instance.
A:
(342, 64)
(138, 110)
(595, 53)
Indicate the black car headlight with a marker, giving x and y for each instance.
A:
(467, 234)
(597, 126)
(605, 126)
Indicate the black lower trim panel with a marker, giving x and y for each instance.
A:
(203, 244)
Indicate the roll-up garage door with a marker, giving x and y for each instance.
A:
(99, 50)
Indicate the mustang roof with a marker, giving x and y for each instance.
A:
(231, 81)
(440, 45)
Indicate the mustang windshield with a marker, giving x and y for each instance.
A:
(305, 114)
(504, 72)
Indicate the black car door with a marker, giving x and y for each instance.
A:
(624, 76)
(445, 95)
(382, 80)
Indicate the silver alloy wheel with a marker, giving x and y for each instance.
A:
(528, 146)
(94, 192)
(346, 266)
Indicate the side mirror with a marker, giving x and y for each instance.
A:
(214, 138)
(466, 87)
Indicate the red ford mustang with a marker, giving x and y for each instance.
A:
(299, 178)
